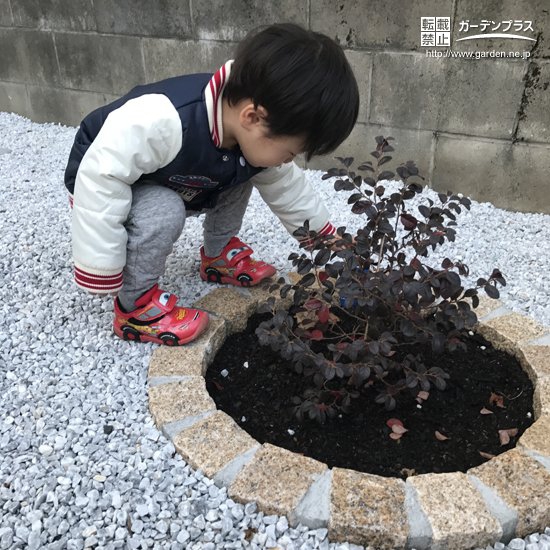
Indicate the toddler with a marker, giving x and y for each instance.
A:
(198, 144)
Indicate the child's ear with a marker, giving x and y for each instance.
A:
(252, 116)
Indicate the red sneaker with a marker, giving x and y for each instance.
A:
(234, 266)
(158, 319)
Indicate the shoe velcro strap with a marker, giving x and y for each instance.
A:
(240, 255)
(161, 303)
(164, 304)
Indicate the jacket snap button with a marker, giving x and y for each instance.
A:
(225, 158)
(242, 161)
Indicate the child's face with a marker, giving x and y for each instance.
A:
(264, 151)
(258, 147)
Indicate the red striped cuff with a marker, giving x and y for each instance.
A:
(327, 229)
(102, 284)
(71, 200)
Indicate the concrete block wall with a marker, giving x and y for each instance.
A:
(478, 126)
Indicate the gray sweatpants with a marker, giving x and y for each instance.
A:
(156, 220)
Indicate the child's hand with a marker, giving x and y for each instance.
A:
(336, 243)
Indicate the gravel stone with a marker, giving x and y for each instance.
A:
(45, 450)
(137, 526)
(183, 536)
(237, 512)
(90, 542)
(271, 531)
(516, 544)
(162, 527)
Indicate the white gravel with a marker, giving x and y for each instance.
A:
(81, 463)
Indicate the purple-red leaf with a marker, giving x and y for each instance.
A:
(409, 222)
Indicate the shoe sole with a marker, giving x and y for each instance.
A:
(148, 338)
(221, 279)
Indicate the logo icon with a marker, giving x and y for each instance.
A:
(435, 32)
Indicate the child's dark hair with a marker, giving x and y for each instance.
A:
(304, 81)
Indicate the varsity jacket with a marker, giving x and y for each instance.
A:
(169, 132)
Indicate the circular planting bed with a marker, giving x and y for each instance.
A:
(498, 499)
(485, 407)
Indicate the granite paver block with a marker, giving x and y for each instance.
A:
(506, 331)
(294, 277)
(170, 402)
(455, 510)
(537, 437)
(486, 305)
(536, 361)
(233, 306)
(276, 479)
(191, 359)
(176, 361)
(211, 341)
(541, 397)
(367, 509)
(523, 484)
(213, 442)
(260, 293)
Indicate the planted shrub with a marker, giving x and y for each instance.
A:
(364, 301)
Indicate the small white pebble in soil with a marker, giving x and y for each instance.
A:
(245, 364)
(291, 432)
(471, 332)
(483, 348)
(224, 373)
(243, 419)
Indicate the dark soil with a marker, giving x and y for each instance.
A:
(259, 399)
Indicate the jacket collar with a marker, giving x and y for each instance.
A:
(213, 97)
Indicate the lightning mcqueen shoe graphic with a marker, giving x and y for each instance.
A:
(235, 266)
(158, 319)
